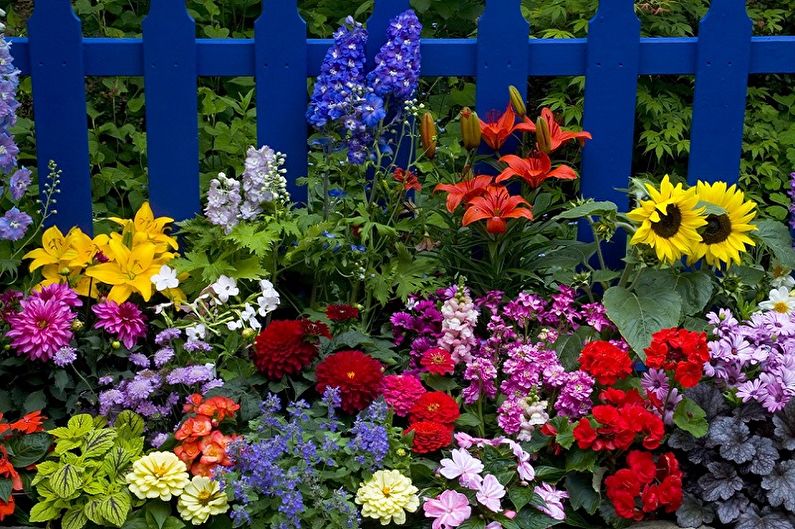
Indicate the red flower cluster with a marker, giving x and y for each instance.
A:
(438, 361)
(431, 420)
(339, 312)
(607, 363)
(619, 423)
(30, 423)
(681, 351)
(645, 486)
(408, 178)
(285, 347)
(357, 375)
(200, 437)
(429, 436)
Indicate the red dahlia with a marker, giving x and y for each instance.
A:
(429, 436)
(606, 362)
(438, 361)
(342, 312)
(357, 375)
(435, 406)
(285, 347)
(682, 351)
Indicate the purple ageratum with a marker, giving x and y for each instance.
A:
(14, 224)
(397, 71)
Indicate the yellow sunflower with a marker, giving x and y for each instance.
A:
(725, 235)
(669, 220)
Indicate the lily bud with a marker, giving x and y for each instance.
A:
(517, 101)
(543, 138)
(428, 135)
(470, 128)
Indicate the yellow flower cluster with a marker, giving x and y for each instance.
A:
(124, 261)
(709, 221)
(158, 475)
(200, 499)
(387, 496)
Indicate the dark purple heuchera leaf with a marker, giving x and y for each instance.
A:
(730, 435)
(751, 411)
(750, 519)
(784, 422)
(696, 452)
(765, 458)
(710, 399)
(693, 512)
(730, 510)
(721, 483)
(780, 485)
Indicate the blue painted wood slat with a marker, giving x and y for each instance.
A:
(502, 57)
(59, 102)
(724, 53)
(170, 85)
(280, 59)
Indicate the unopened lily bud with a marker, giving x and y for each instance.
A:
(470, 128)
(428, 135)
(517, 101)
(543, 139)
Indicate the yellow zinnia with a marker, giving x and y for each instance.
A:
(724, 237)
(201, 499)
(387, 496)
(158, 475)
(669, 221)
(128, 271)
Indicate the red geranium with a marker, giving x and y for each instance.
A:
(429, 436)
(606, 362)
(435, 406)
(357, 375)
(681, 351)
(645, 485)
(341, 312)
(7, 508)
(438, 361)
(618, 397)
(618, 427)
(285, 347)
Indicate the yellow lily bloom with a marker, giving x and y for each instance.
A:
(54, 250)
(128, 270)
(146, 228)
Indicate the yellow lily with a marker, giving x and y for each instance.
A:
(146, 228)
(54, 250)
(128, 270)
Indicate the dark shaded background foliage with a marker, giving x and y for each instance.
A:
(227, 127)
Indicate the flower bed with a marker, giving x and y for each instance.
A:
(425, 344)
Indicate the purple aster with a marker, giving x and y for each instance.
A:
(139, 360)
(65, 356)
(751, 390)
(14, 224)
(125, 322)
(167, 335)
(655, 382)
(19, 183)
(164, 356)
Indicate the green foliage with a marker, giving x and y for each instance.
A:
(691, 418)
(84, 478)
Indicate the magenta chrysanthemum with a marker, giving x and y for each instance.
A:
(126, 321)
(41, 328)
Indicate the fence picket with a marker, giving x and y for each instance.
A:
(502, 57)
(280, 57)
(169, 42)
(723, 63)
(59, 101)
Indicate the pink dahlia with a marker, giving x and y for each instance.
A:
(60, 292)
(126, 321)
(401, 392)
(41, 328)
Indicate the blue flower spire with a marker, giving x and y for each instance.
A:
(397, 71)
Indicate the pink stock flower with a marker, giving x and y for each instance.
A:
(401, 392)
(126, 321)
(553, 506)
(450, 509)
(490, 493)
(41, 328)
(464, 467)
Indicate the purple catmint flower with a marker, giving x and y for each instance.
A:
(15, 223)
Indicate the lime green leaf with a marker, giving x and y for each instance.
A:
(129, 424)
(44, 511)
(98, 442)
(79, 425)
(74, 518)
(65, 480)
(114, 507)
(691, 418)
(116, 461)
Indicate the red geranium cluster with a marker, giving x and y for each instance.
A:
(341, 312)
(357, 375)
(285, 347)
(618, 423)
(645, 486)
(202, 445)
(438, 361)
(30, 423)
(607, 363)
(431, 420)
(681, 351)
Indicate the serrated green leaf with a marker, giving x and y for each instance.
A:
(114, 507)
(98, 442)
(65, 480)
(74, 518)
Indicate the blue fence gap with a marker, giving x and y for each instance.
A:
(282, 58)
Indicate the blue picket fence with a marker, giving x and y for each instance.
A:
(281, 58)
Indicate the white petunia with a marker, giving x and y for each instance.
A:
(165, 279)
(780, 300)
(269, 300)
(197, 332)
(225, 287)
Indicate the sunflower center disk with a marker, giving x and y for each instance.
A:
(717, 230)
(669, 223)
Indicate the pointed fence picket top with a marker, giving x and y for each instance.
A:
(280, 55)
(377, 24)
(59, 102)
(502, 56)
(723, 63)
(170, 86)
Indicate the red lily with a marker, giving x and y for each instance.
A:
(464, 191)
(407, 178)
(496, 206)
(557, 136)
(534, 170)
(496, 131)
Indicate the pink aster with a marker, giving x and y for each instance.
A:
(126, 321)
(401, 392)
(450, 509)
(41, 328)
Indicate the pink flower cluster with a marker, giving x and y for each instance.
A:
(458, 325)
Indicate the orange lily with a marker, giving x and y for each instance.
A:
(464, 191)
(534, 170)
(495, 132)
(496, 206)
(557, 136)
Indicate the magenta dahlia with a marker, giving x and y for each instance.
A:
(126, 321)
(41, 328)
(59, 292)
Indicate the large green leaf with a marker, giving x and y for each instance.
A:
(98, 442)
(29, 449)
(639, 316)
(79, 425)
(129, 424)
(581, 492)
(777, 238)
(114, 507)
(695, 288)
(44, 511)
(74, 518)
(588, 208)
(65, 480)
(691, 418)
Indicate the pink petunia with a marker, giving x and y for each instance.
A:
(450, 509)
(464, 467)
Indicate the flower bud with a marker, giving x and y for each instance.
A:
(115, 344)
(428, 135)
(64, 271)
(401, 452)
(517, 101)
(543, 139)
(77, 325)
(470, 128)
(248, 333)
